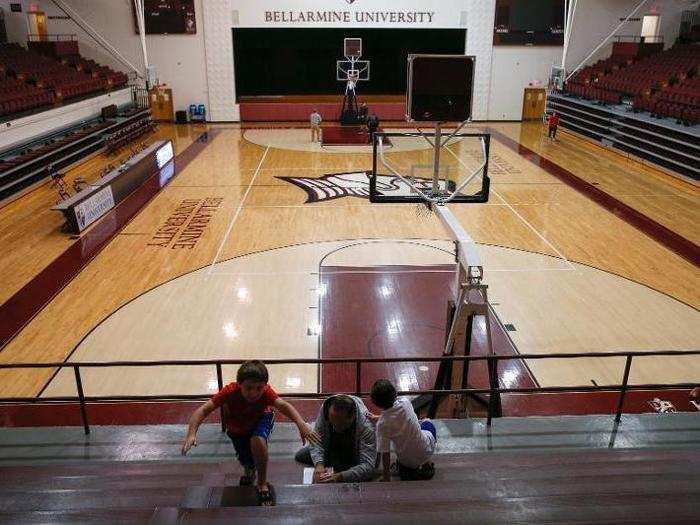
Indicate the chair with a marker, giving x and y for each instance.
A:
(197, 113)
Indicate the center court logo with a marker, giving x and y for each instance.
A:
(354, 184)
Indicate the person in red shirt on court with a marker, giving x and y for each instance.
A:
(553, 122)
(248, 404)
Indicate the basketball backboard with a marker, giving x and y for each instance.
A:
(352, 47)
(439, 88)
(403, 168)
(355, 70)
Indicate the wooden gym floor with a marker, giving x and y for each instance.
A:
(566, 273)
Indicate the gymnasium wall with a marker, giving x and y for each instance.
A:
(596, 19)
(200, 67)
(15, 23)
(179, 59)
(220, 16)
(285, 61)
(513, 68)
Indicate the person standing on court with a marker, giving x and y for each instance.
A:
(363, 113)
(553, 123)
(372, 126)
(315, 120)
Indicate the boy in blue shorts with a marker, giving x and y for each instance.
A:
(248, 404)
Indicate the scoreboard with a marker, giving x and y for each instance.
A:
(168, 17)
(529, 22)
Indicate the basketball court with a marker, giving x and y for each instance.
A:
(284, 270)
(259, 244)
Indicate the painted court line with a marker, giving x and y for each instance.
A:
(365, 205)
(238, 212)
(554, 248)
(658, 232)
(388, 272)
(20, 309)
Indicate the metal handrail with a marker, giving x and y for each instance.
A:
(327, 360)
(494, 390)
(640, 39)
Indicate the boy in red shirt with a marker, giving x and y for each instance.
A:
(248, 404)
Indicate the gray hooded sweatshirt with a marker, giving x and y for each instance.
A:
(365, 443)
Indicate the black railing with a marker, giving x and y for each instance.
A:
(494, 389)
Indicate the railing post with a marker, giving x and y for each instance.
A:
(358, 378)
(220, 382)
(623, 389)
(494, 408)
(81, 397)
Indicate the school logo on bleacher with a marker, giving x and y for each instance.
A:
(354, 184)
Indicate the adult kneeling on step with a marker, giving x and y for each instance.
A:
(347, 451)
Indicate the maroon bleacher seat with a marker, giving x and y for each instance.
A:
(41, 76)
(667, 83)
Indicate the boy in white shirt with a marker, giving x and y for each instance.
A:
(414, 441)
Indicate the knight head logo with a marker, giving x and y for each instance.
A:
(356, 184)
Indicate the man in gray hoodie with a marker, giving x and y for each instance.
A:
(348, 451)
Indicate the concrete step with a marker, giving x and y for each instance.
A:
(65, 445)
(576, 509)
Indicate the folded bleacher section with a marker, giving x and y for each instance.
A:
(48, 73)
(641, 100)
(25, 166)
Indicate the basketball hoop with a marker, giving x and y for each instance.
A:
(351, 71)
(440, 88)
(441, 192)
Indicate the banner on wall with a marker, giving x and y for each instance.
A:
(435, 14)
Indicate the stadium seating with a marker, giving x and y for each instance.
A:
(28, 164)
(552, 486)
(31, 80)
(666, 84)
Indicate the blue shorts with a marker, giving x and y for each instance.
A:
(427, 425)
(241, 443)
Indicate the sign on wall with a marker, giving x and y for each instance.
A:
(444, 14)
